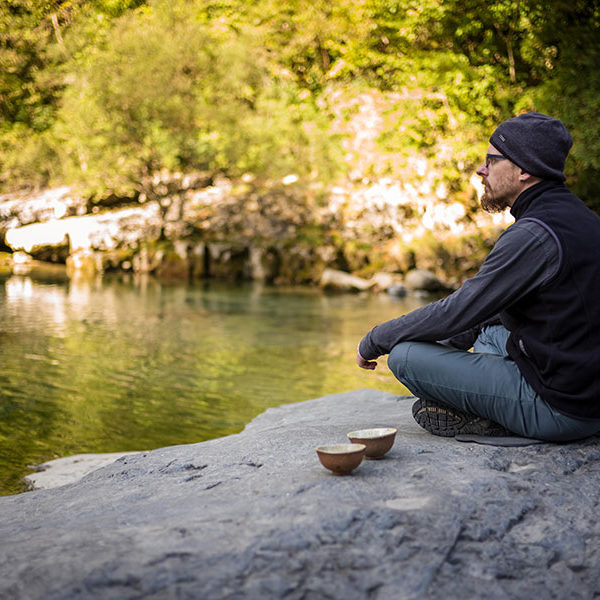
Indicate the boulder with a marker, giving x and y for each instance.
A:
(383, 282)
(36, 207)
(340, 281)
(398, 290)
(423, 280)
(255, 515)
(47, 241)
(103, 231)
(83, 263)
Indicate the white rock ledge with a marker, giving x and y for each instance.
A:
(255, 515)
(69, 469)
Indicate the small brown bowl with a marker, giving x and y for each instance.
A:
(341, 458)
(377, 441)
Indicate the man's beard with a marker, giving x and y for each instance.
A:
(494, 203)
(501, 197)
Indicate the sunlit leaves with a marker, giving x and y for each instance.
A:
(118, 88)
(169, 91)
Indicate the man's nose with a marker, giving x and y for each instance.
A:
(482, 171)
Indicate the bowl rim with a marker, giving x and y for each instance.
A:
(386, 431)
(342, 449)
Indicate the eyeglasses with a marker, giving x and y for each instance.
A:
(490, 159)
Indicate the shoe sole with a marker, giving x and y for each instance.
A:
(450, 422)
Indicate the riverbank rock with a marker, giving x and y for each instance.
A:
(388, 282)
(340, 281)
(255, 515)
(279, 232)
(423, 280)
(399, 291)
(36, 207)
(103, 231)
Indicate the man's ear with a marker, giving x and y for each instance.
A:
(528, 177)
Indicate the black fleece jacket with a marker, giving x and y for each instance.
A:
(527, 260)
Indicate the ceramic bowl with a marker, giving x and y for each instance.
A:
(378, 441)
(341, 458)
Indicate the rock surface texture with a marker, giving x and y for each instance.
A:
(255, 515)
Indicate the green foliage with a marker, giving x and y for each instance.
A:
(107, 92)
(25, 37)
(206, 100)
(33, 55)
(571, 90)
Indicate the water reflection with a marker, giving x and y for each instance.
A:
(103, 366)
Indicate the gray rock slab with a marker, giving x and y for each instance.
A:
(255, 515)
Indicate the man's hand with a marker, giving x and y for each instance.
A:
(363, 363)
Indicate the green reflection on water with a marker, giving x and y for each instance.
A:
(116, 366)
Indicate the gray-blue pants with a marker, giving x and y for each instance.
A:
(485, 382)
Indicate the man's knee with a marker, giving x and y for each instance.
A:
(492, 340)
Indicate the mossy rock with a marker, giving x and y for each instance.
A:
(83, 264)
(120, 259)
(173, 267)
(5, 263)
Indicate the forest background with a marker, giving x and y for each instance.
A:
(103, 95)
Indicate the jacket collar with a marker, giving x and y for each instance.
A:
(521, 204)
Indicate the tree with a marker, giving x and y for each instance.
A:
(169, 92)
(570, 84)
(32, 78)
(101, 92)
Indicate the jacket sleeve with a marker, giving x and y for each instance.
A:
(525, 256)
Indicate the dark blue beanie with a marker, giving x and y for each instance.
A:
(537, 143)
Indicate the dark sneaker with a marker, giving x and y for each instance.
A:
(449, 422)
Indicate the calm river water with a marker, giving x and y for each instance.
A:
(115, 366)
